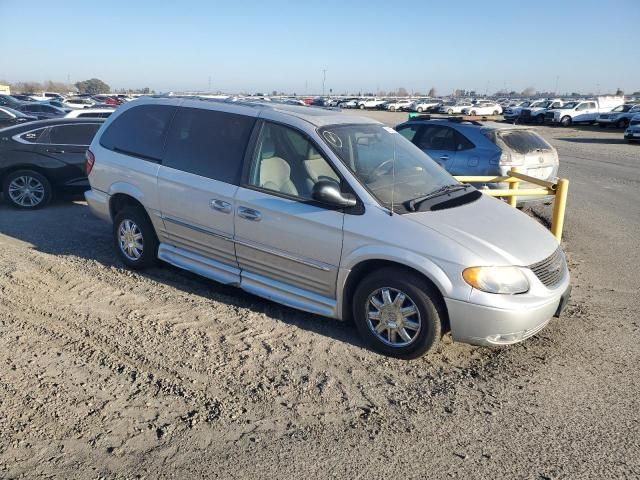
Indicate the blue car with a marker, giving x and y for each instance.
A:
(483, 148)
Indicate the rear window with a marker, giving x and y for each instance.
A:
(520, 141)
(81, 134)
(208, 143)
(139, 131)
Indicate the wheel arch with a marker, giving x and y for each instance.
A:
(14, 168)
(426, 270)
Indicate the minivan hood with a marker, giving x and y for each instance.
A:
(497, 233)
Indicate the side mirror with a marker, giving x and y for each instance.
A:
(328, 192)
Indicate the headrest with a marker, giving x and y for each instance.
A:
(268, 149)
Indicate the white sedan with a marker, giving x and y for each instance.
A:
(424, 104)
(483, 108)
(455, 108)
(399, 105)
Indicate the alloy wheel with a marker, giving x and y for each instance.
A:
(26, 191)
(130, 240)
(393, 317)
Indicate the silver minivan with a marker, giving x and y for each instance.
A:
(325, 212)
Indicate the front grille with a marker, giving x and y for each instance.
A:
(550, 270)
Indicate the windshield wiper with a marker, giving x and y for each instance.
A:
(447, 189)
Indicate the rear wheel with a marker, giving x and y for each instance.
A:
(496, 112)
(419, 109)
(135, 238)
(566, 121)
(450, 111)
(398, 313)
(361, 107)
(27, 189)
(392, 108)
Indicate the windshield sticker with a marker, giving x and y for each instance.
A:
(332, 138)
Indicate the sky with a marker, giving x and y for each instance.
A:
(587, 46)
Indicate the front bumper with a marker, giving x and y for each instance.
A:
(98, 203)
(489, 326)
(632, 136)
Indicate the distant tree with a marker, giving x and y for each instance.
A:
(58, 87)
(402, 92)
(274, 93)
(432, 92)
(417, 94)
(458, 93)
(382, 93)
(93, 86)
(619, 92)
(27, 87)
(528, 92)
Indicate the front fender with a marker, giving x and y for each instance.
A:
(439, 273)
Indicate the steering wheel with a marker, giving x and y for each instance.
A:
(383, 168)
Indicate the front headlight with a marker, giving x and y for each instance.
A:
(505, 280)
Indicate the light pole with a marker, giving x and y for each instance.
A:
(324, 78)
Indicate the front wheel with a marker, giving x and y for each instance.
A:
(473, 112)
(398, 313)
(361, 107)
(135, 238)
(419, 109)
(27, 189)
(566, 121)
(450, 111)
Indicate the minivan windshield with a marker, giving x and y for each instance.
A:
(390, 166)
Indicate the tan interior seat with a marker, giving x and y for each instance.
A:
(275, 172)
(317, 168)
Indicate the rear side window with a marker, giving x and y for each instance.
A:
(80, 134)
(409, 131)
(520, 141)
(208, 143)
(139, 131)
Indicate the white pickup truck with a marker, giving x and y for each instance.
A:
(582, 111)
(535, 112)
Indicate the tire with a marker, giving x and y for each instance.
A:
(361, 107)
(622, 123)
(450, 111)
(473, 112)
(496, 112)
(27, 189)
(393, 109)
(566, 121)
(419, 110)
(141, 254)
(420, 297)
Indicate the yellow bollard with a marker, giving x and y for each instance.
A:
(559, 206)
(513, 201)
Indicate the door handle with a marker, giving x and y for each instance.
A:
(249, 214)
(220, 205)
(54, 150)
(444, 157)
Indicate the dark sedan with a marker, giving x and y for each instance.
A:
(42, 111)
(9, 101)
(43, 157)
(10, 117)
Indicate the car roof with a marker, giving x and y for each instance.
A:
(317, 116)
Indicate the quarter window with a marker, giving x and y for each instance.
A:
(208, 143)
(36, 136)
(139, 131)
(286, 162)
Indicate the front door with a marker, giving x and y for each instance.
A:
(287, 246)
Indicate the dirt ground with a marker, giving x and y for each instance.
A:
(106, 373)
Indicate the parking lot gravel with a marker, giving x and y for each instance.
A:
(108, 373)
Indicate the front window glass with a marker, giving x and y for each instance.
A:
(286, 162)
(390, 166)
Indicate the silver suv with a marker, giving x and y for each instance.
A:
(328, 213)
